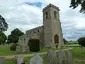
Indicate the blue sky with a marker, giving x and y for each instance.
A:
(37, 4)
(27, 14)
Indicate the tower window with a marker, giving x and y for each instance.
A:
(46, 15)
(55, 13)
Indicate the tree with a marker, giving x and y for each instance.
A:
(3, 38)
(14, 36)
(75, 3)
(3, 24)
(65, 41)
(81, 41)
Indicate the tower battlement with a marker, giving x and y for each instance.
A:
(51, 5)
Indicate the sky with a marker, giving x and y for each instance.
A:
(27, 14)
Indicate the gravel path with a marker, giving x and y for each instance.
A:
(25, 55)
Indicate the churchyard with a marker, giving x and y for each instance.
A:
(78, 55)
(43, 45)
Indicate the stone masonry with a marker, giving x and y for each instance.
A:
(50, 34)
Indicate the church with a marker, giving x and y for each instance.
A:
(49, 35)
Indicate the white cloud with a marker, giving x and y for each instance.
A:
(23, 15)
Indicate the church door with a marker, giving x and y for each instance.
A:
(34, 45)
(56, 40)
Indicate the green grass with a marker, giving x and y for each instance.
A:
(5, 50)
(10, 61)
(79, 55)
(77, 52)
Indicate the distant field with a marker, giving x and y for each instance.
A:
(72, 45)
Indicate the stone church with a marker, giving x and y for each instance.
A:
(50, 34)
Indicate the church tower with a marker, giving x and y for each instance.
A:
(53, 36)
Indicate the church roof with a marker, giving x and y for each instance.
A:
(36, 28)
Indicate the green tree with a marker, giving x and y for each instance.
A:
(81, 41)
(65, 41)
(3, 38)
(75, 3)
(14, 36)
(3, 24)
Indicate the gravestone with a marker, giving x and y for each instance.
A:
(36, 59)
(62, 59)
(18, 48)
(69, 57)
(20, 60)
(2, 60)
(51, 57)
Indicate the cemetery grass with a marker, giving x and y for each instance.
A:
(10, 61)
(5, 51)
(78, 55)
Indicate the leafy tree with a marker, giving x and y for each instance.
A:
(75, 3)
(9, 40)
(65, 41)
(14, 36)
(81, 41)
(3, 24)
(3, 38)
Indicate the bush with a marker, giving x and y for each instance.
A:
(13, 47)
(81, 41)
(34, 45)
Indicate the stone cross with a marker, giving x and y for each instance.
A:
(51, 57)
(2, 60)
(62, 58)
(69, 57)
(20, 60)
(36, 59)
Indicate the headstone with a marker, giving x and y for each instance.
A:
(23, 49)
(62, 58)
(18, 48)
(51, 57)
(36, 59)
(20, 60)
(69, 57)
(2, 60)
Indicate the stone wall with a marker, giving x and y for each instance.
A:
(36, 33)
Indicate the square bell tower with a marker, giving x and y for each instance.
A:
(53, 36)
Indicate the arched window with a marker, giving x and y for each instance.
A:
(55, 14)
(46, 14)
